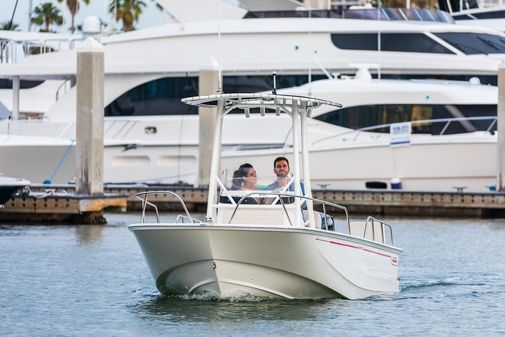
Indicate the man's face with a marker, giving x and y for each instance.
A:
(281, 169)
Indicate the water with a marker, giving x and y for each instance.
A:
(93, 281)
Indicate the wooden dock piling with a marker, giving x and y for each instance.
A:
(90, 115)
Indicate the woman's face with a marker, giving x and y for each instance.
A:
(250, 179)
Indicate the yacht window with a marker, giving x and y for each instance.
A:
(396, 42)
(484, 79)
(462, 17)
(490, 15)
(357, 117)
(23, 84)
(475, 43)
(257, 83)
(158, 97)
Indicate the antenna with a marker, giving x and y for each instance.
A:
(274, 89)
(379, 47)
(219, 70)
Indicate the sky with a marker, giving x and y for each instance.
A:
(151, 15)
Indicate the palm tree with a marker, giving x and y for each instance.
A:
(9, 25)
(47, 14)
(128, 11)
(73, 7)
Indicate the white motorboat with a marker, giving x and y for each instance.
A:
(9, 186)
(281, 246)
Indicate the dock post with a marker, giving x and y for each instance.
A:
(15, 97)
(90, 111)
(208, 85)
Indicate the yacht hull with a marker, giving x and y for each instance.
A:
(420, 167)
(280, 262)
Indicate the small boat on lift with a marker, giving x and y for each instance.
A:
(9, 186)
(285, 244)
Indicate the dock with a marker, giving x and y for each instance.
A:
(50, 204)
(61, 205)
(372, 202)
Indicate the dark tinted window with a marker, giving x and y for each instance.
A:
(484, 79)
(158, 97)
(490, 15)
(399, 42)
(357, 117)
(475, 43)
(23, 84)
(462, 17)
(248, 84)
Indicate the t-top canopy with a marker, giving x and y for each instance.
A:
(262, 101)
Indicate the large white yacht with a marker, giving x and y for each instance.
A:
(151, 136)
(164, 149)
(153, 82)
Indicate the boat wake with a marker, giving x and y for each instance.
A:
(238, 297)
(429, 284)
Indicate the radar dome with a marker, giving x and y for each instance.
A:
(91, 25)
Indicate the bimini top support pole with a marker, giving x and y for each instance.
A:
(214, 168)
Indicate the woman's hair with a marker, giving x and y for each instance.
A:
(239, 175)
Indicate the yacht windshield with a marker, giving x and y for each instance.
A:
(475, 43)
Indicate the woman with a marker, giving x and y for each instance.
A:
(245, 178)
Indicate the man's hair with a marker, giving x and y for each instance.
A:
(281, 159)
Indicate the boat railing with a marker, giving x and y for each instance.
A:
(288, 198)
(448, 121)
(11, 50)
(383, 227)
(143, 196)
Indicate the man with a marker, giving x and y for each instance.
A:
(281, 170)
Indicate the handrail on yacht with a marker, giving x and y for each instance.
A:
(63, 85)
(383, 224)
(142, 196)
(448, 121)
(279, 196)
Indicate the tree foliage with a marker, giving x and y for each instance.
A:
(8, 25)
(128, 11)
(73, 7)
(45, 15)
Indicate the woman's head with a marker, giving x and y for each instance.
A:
(250, 178)
(244, 177)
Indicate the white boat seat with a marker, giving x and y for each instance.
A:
(358, 229)
(252, 214)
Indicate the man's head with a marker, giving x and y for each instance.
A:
(281, 167)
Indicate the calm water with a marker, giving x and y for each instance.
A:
(93, 281)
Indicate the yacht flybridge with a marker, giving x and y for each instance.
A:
(263, 243)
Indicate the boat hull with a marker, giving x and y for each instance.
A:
(230, 261)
